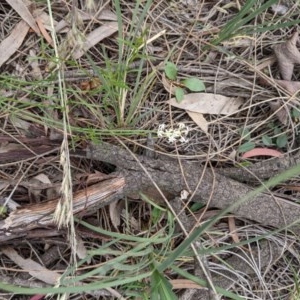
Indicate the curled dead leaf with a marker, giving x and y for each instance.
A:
(287, 55)
(291, 86)
(262, 152)
(115, 210)
(280, 111)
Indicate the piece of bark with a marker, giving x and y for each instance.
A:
(219, 190)
(262, 170)
(26, 153)
(40, 215)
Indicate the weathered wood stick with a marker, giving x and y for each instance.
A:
(213, 188)
(40, 215)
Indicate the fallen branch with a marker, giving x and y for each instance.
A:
(21, 221)
(215, 189)
(263, 170)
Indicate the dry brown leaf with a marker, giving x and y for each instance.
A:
(233, 229)
(23, 125)
(43, 31)
(206, 103)
(134, 223)
(291, 187)
(81, 250)
(12, 43)
(105, 15)
(35, 182)
(21, 8)
(287, 55)
(96, 36)
(32, 267)
(280, 111)
(185, 284)
(115, 211)
(199, 120)
(291, 86)
(45, 18)
(265, 63)
(35, 66)
(262, 152)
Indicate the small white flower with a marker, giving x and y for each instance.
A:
(172, 139)
(183, 140)
(160, 133)
(178, 133)
(181, 125)
(186, 130)
(162, 127)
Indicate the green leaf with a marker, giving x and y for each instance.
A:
(3, 210)
(179, 94)
(245, 133)
(156, 214)
(267, 141)
(194, 84)
(246, 147)
(277, 130)
(295, 112)
(281, 141)
(161, 287)
(196, 206)
(171, 70)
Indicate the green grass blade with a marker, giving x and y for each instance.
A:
(199, 230)
(161, 287)
(230, 29)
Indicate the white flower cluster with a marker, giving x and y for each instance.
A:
(177, 133)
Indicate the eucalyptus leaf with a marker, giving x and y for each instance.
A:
(246, 147)
(267, 141)
(194, 84)
(281, 141)
(295, 112)
(171, 70)
(277, 130)
(179, 94)
(245, 133)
